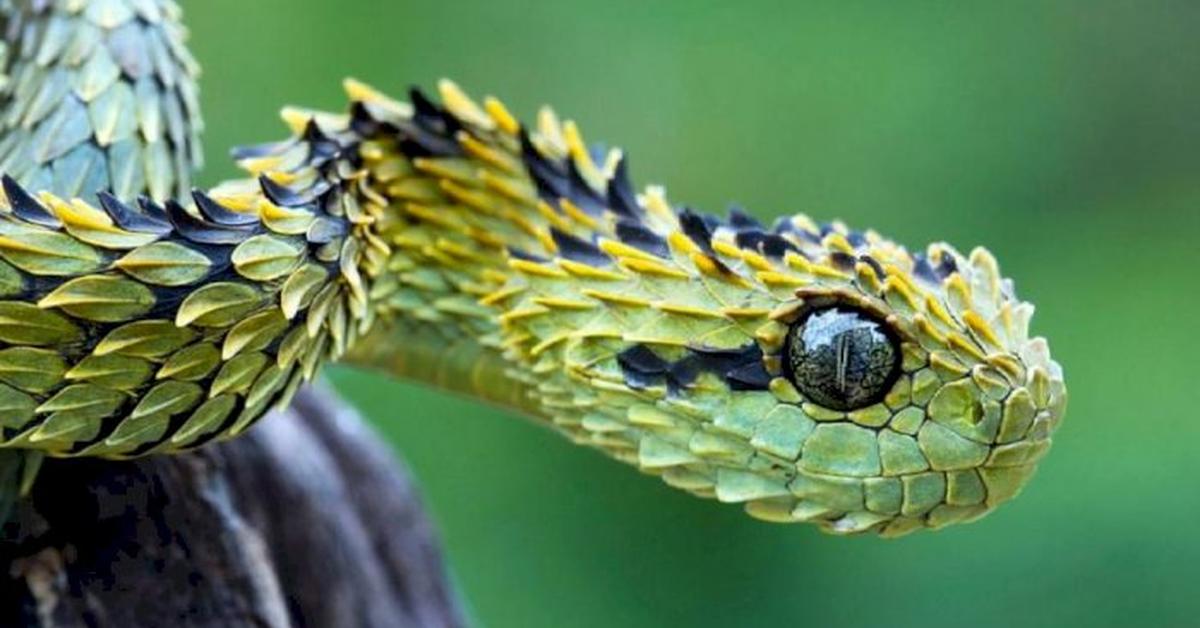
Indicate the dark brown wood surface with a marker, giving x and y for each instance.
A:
(307, 520)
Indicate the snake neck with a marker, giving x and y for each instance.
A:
(98, 96)
(480, 213)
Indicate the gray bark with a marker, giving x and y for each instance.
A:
(307, 520)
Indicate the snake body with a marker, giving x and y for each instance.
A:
(448, 243)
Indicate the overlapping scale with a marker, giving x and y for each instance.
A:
(131, 328)
(100, 95)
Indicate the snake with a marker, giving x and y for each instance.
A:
(805, 371)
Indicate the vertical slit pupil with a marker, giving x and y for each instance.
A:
(842, 358)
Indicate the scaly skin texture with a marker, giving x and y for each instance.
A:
(93, 95)
(98, 95)
(449, 244)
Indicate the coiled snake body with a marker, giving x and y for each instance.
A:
(808, 371)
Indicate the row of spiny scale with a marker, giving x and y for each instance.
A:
(126, 330)
(501, 198)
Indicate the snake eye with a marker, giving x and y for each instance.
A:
(842, 358)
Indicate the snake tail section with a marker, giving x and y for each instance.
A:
(450, 244)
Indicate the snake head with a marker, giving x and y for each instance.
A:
(812, 374)
(886, 392)
(908, 390)
(807, 371)
(817, 374)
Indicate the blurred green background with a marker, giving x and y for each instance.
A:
(1065, 136)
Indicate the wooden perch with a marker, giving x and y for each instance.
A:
(305, 521)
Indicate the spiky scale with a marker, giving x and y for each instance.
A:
(207, 418)
(32, 370)
(168, 398)
(263, 258)
(218, 304)
(49, 253)
(165, 264)
(83, 399)
(238, 373)
(100, 298)
(193, 363)
(111, 371)
(27, 324)
(150, 338)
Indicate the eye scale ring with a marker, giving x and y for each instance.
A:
(842, 358)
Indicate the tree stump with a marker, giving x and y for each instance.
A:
(307, 520)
